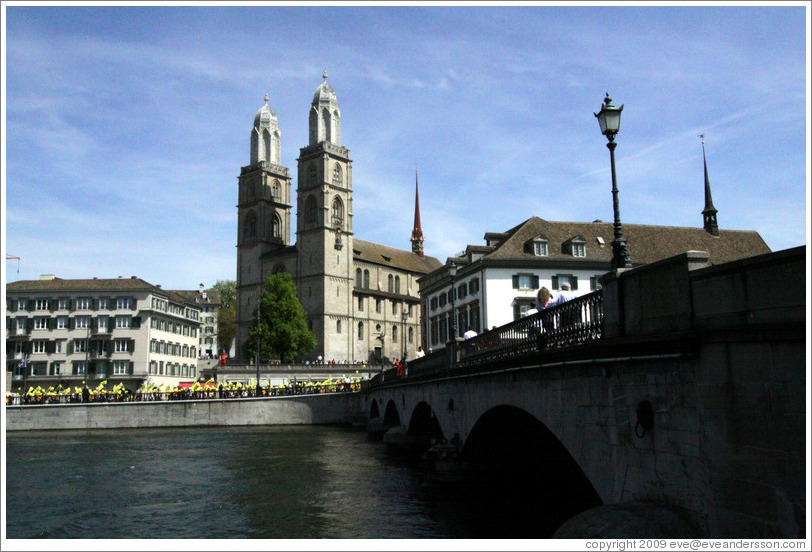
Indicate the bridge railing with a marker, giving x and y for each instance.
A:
(572, 323)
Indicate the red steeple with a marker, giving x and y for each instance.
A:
(417, 231)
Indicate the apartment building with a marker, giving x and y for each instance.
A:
(71, 332)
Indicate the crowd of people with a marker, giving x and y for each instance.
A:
(197, 391)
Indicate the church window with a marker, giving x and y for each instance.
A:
(311, 212)
(358, 277)
(366, 279)
(360, 304)
(397, 284)
(276, 231)
(394, 333)
(360, 331)
(311, 174)
(411, 335)
(378, 306)
(337, 174)
(276, 190)
(338, 212)
(338, 326)
(391, 287)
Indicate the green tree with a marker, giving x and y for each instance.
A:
(282, 328)
(227, 290)
(226, 314)
(226, 327)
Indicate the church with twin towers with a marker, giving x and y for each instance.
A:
(361, 299)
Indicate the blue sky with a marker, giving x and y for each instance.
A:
(126, 126)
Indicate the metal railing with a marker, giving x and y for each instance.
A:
(575, 322)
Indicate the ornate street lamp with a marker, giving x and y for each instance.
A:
(404, 316)
(452, 272)
(609, 119)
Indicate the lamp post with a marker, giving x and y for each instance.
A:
(452, 272)
(259, 326)
(404, 316)
(609, 120)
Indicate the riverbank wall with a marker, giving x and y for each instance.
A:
(320, 409)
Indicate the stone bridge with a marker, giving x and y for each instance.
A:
(678, 409)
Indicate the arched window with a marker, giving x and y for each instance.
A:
(391, 287)
(338, 212)
(358, 276)
(337, 174)
(311, 212)
(394, 333)
(276, 227)
(397, 284)
(366, 279)
(338, 326)
(325, 118)
(411, 335)
(311, 174)
(250, 225)
(360, 330)
(276, 190)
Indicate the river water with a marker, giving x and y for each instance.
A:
(266, 482)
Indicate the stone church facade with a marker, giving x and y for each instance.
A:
(361, 299)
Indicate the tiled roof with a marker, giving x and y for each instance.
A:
(91, 285)
(396, 258)
(645, 243)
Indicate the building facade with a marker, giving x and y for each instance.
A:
(209, 302)
(72, 332)
(497, 283)
(361, 299)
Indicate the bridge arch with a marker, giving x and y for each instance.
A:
(391, 416)
(424, 425)
(516, 460)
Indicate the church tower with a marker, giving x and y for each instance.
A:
(709, 212)
(417, 231)
(263, 213)
(324, 227)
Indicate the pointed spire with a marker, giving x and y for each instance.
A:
(417, 231)
(709, 212)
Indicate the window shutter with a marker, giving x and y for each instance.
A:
(535, 281)
(136, 322)
(51, 323)
(130, 345)
(555, 282)
(515, 281)
(52, 304)
(111, 305)
(111, 324)
(50, 347)
(517, 311)
(574, 280)
(69, 347)
(30, 305)
(28, 347)
(29, 324)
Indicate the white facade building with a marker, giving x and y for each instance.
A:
(497, 283)
(72, 332)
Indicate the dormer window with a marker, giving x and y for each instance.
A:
(537, 246)
(575, 246)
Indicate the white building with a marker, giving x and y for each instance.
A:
(498, 282)
(209, 302)
(120, 330)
